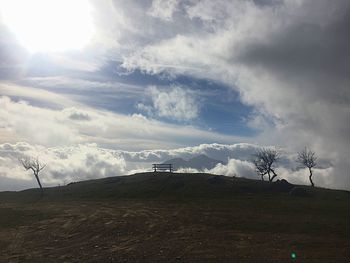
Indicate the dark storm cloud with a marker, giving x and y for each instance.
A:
(267, 2)
(313, 56)
(306, 48)
(310, 57)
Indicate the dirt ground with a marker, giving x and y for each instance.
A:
(169, 231)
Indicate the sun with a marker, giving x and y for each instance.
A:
(49, 25)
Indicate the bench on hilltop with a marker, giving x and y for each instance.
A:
(157, 167)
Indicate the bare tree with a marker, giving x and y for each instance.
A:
(264, 161)
(259, 168)
(36, 166)
(308, 159)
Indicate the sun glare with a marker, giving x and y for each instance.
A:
(49, 25)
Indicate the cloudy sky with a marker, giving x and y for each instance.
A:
(102, 88)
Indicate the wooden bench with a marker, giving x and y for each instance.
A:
(158, 167)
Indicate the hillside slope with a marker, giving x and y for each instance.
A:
(169, 185)
(163, 217)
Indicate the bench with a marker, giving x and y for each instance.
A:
(157, 167)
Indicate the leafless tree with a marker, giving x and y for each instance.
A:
(36, 166)
(308, 159)
(259, 168)
(264, 161)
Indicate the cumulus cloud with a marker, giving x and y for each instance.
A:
(223, 152)
(240, 168)
(64, 164)
(88, 161)
(83, 162)
(235, 167)
(174, 103)
(77, 114)
(38, 125)
(288, 59)
(236, 162)
(163, 9)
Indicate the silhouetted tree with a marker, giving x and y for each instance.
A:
(36, 166)
(264, 161)
(308, 159)
(260, 168)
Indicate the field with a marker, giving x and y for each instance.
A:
(174, 218)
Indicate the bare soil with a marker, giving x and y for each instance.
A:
(246, 229)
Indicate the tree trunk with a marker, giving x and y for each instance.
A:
(41, 188)
(262, 177)
(268, 173)
(310, 178)
(274, 175)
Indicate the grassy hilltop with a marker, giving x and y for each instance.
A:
(176, 217)
(170, 186)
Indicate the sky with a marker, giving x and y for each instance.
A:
(97, 88)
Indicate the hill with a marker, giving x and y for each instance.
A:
(170, 185)
(161, 217)
(199, 162)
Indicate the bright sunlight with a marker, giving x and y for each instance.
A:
(49, 26)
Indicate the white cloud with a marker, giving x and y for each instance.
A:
(28, 93)
(208, 10)
(69, 61)
(76, 125)
(216, 151)
(34, 124)
(286, 59)
(64, 164)
(87, 161)
(174, 103)
(163, 9)
(83, 162)
(76, 114)
(238, 162)
(235, 167)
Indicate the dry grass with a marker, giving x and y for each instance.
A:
(248, 227)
